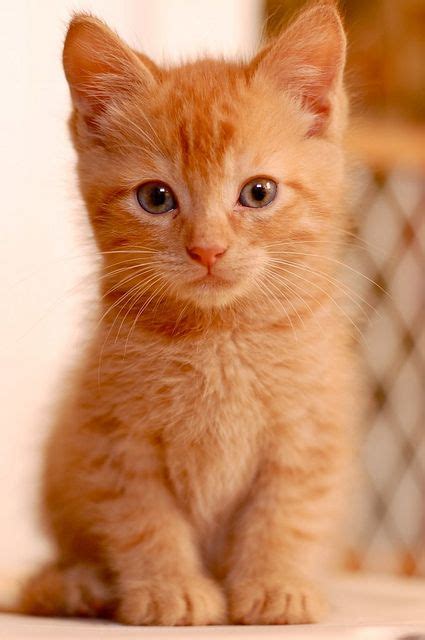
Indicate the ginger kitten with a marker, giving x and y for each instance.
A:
(197, 461)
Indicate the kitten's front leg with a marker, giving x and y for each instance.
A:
(152, 550)
(274, 543)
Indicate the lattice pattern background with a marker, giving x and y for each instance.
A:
(390, 521)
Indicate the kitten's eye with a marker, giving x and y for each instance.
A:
(258, 192)
(156, 197)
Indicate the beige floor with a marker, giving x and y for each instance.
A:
(363, 608)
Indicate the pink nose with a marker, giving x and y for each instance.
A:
(206, 255)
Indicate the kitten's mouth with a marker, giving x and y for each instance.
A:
(211, 290)
(211, 280)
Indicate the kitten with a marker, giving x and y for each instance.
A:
(197, 461)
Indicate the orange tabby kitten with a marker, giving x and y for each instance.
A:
(195, 468)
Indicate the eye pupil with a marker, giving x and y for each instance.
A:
(258, 192)
(158, 196)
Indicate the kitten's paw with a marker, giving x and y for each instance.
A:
(76, 590)
(275, 600)
(178, 601)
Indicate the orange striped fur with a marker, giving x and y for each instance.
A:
(195, 469)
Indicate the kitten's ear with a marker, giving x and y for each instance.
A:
(99, 66)
(307, 60)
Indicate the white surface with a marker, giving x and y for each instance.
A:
(363, 608)
(43, 261)
(24, 629)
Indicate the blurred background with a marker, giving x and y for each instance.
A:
(47, 257)
(386, 149)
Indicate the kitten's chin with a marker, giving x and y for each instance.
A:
(212, 291)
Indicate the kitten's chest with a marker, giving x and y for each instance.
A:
(211, 402)
(211, 476)
(216, 385)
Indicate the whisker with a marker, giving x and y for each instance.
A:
(150, 281)
(125, 299)
(272, 275)
(124, 296)
(158, 302)
(138, 265)
(353, 239)
(293, 287)
(276, 299)
(142, 271)
(140, 312)
(348, 291)
(92, 254)
(181, 315)
(326, 293)
(340, 263)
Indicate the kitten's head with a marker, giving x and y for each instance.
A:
(212, 182)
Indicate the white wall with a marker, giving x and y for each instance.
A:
(44, 250)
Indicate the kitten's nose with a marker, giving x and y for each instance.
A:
(206, 255)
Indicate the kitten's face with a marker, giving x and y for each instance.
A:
(208, 184)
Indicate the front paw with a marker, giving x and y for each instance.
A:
(177, 601)
(271, 599)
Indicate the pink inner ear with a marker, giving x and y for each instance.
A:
(307, 60)
(321, 109)
(317, 128)
(99, 66)
(314, 76)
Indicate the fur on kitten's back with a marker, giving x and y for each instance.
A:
(193, 473)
